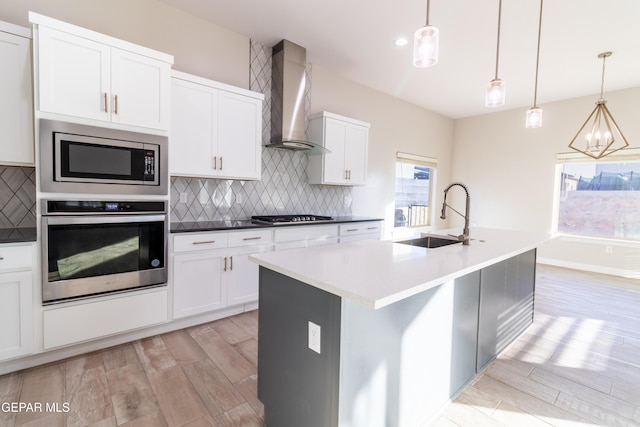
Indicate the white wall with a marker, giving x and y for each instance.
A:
(510, 171)
(199, 47)
(395, 126)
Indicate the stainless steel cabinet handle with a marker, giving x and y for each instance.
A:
(346, 174)
(231, 261)
(352, 229)
(1, 258)
(372, 228)
(203, 242)
(115, 108)
(106, 104)
(215, 162)
(252, 238)
(225, 264)
(220, 162)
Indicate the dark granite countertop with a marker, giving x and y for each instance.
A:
(17, 235)
(185, 227)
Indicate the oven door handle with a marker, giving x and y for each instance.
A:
(101, 219)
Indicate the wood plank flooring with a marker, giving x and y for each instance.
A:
(577, 365)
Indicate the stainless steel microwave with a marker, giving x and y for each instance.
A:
(87, 159)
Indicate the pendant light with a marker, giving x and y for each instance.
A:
(496, 90)
(425, 44)
(534, 114)
(599, 135)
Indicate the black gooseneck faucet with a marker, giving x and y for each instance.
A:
(464, 237)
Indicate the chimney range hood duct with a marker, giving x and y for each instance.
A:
(288, 83)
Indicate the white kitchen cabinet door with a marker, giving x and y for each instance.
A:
(194, 111)
(242, 275)
(239, 136)
(216, 132)
(16, 312)
(140, 89)
(197, 283)
(335, 140)
(348, 140)
(356, 155)
(16, 103)
(73, 75)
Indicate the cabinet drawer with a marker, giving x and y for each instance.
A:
(190, 242)
(359, 228)
(250, 237)
(15, 258)
(293, 233)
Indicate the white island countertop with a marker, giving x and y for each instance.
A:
(378, 273)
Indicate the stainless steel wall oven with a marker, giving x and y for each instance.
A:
(87, 159)
(91, 248)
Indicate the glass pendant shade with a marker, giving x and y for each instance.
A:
(534, 118)
(599, 135)
(495, 94)
(425, 46)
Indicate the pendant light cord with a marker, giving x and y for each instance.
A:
(604, 59)
(428, 4)
(498, 42)
(535, 90)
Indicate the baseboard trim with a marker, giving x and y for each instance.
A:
(589, 267)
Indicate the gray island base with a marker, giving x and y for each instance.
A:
(392, 365)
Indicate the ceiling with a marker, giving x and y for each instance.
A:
(355, 39)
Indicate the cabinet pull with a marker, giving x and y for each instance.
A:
(115, 108)
(231, 263)
(215, 162)
(352, 229)
(372, 228)
(106, 103)
(346, 174)
(203, 242)
(349, 174)
(252, 238)
(1, 258)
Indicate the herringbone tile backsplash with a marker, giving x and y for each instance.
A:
(17, 197)
(283, 188)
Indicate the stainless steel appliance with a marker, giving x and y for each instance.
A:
(290, 219)
(90, 248)
(92, 160)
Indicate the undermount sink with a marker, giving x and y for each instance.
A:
(430, 241)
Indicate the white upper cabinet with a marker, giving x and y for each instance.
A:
(348, 140)
(216, 130)
(16, 102)
(91, 76)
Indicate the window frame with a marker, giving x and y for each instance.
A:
(626, 155)
(425, 161)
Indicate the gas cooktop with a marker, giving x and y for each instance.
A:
(290, 219)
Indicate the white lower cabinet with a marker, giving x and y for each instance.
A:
(16, 300)
(369, 230)
(211, 270)
(304, 236)
(84, 321)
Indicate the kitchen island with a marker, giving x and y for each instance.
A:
(376, 333)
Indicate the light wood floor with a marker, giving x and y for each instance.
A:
(578, 365)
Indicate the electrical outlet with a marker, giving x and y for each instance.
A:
(183, 197)
(608, 249)
(239, 198)
(314, 337)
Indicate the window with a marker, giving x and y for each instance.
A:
(414, 180)
(599, 197)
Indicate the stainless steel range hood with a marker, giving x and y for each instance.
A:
(288, 83)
